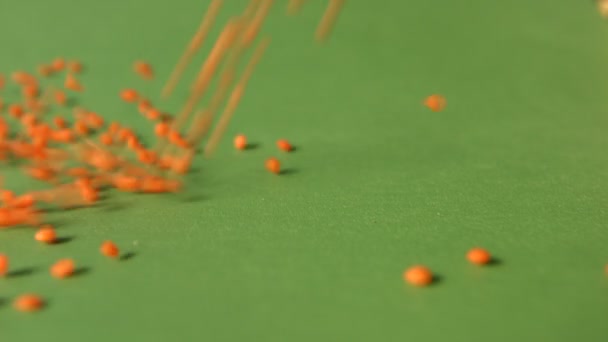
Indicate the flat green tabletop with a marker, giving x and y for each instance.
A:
(517, 163)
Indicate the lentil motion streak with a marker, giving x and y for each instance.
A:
(111, 154)
(80, 156)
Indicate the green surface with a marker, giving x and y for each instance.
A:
(517, 163)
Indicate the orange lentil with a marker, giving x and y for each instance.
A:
(129, 95)
(161, 129)
(183, 143)
(40, 142)
(136, 171)
(104, 161)
(109, 249)
(126, 183)
(78, 172)
(176, 139)
(60, 97)
(27, 216)
(106, 139)
(173, 136)
(83, 182)
(90, 195)
(30, 90)
(3, 265)
(273, 165)
(181, 165)
(63, 268)
(7, 218)
(240, 142)
(143, 69)
(30, 131)
(45, 70)
(3, 128)
(75, 66)
(133, 143)
(478, 256)
(165, 162)
(44, 130)
(143, 106)
(40, 154)
(124, 134)
(46, 234)
(24, 201)
(156, 185)
(152, 114)
(60, 122)
(114, 128)
(87, 191)
(7, 196)
(28, 303)
(284, 145)
(64, 135)
(28, 119)
(72, 83)
(58, 64)
(146, 157)
(41, 173)
(94, 120)
(21, 149)
(15, 110)
(435, 102)
(418, 276)
(23, 78)
(81, 128)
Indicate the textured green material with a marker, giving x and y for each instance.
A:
(517, 163)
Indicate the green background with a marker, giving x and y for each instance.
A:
(517, 163)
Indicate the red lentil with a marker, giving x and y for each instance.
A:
(129, 95)
(63, 268)
(479, 256)
(46, 234)
(435, 103)
(4, 264)
(143, 69)
(418, 275)
(28, 303)
(284, 145)
(273, 165)
(240, 142)
(109, 249)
